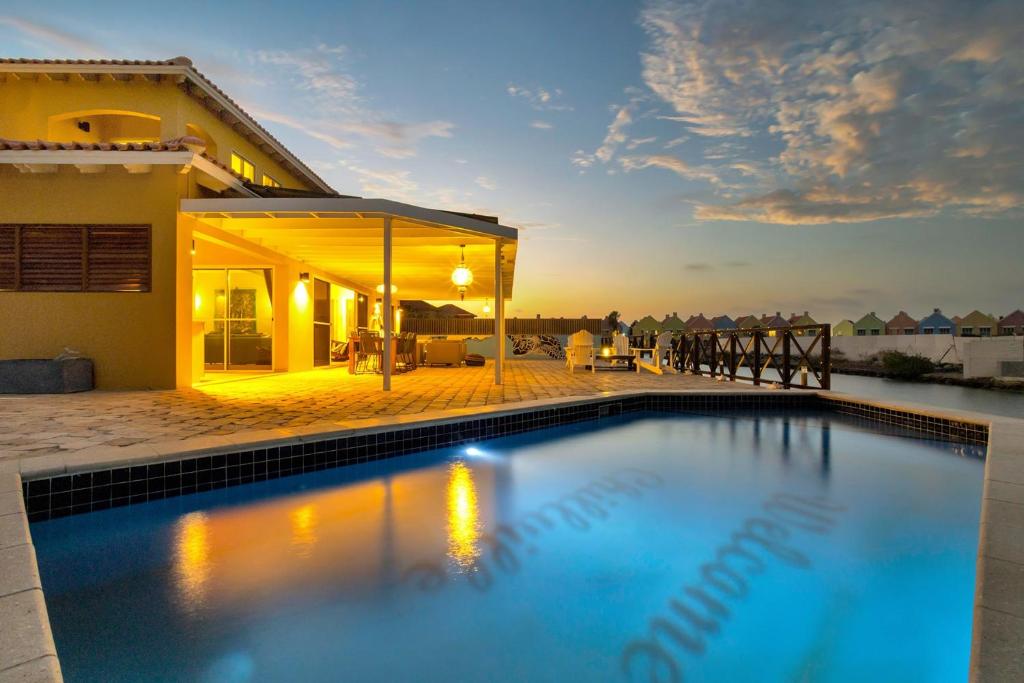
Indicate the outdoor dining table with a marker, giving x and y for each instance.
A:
(353, 348)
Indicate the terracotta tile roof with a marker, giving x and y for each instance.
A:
(182, 144)
(119, 62)
(194, 75)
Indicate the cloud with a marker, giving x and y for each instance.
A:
(847, 111)
(541, 99)
(330, 105)
(639, 142)
(299, 125)
(486, 183)
(541, 125)
(69, 44)
(698, 266)
(669, 163)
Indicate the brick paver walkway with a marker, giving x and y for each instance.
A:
(32, 426)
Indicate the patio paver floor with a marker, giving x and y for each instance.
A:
(32, 426)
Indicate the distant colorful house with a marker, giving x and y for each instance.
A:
(901, 323)
(843, 328)
(748, 322)
(869, 326)
(646, 325)
(698, 322)
(724, 322)
(797, 320)
(936, 323)
(1012, 324)
(774, 320)
(978, 324)
(453, 311)
(673, 323)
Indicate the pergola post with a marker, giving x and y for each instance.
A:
(388, 318)
(499, 316)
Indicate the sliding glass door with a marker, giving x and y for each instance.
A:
(236, 308)
(321, 322)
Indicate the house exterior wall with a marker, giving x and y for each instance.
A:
(868, 326)
(27, 105)
(129, 335)
(137, 339)
(978, 324)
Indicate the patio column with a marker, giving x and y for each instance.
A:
(389, 320)
(499, 316)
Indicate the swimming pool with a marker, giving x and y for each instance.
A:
(730, 547)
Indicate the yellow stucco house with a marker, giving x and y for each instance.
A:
(151, 224)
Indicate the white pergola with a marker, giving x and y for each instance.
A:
(361, 240)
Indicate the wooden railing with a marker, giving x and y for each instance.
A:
(785, 356)
(485, 326)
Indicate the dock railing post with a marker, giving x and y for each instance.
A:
(757, 358)
(787, 371)
(826, 356)
(713, 360)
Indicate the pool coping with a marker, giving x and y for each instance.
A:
(27, 650)
(997, 648)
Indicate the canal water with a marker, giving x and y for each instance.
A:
(992, 401)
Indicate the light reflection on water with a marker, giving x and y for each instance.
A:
(538, 546)
(303, 529)
(463, 517)
(192, 558)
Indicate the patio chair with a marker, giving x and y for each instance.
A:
(663, 347)
(369, 353)
(580, 351)
(620, 347)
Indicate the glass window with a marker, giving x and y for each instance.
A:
(875, 332)
(270, 182)
(236, 309)
(965, 331)
(929, 330)
(243, 167)
(943, 330)
(985, 331)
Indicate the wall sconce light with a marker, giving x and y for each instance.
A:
(304, 277)
(380, 289)
(362, 298)
(462, 276)
(193, 249)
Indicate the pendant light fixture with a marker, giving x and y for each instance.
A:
(462, 276)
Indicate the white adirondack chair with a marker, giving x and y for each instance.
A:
(662, 346)
(580, 351)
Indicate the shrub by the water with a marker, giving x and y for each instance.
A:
(905, 366)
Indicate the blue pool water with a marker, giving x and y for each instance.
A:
(726, 548)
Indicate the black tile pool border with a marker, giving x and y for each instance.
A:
(100, 489)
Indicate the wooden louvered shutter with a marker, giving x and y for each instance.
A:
(118, 258)
(51, 259)
(8, 257)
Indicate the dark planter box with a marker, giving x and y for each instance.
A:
(32, 376)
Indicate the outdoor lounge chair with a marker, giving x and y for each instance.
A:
(663, 348)
(579, 350)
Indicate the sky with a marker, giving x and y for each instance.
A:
(715, 156)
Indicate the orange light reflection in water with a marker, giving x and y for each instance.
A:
(192, 558)
(304, 536)
(463, 517)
